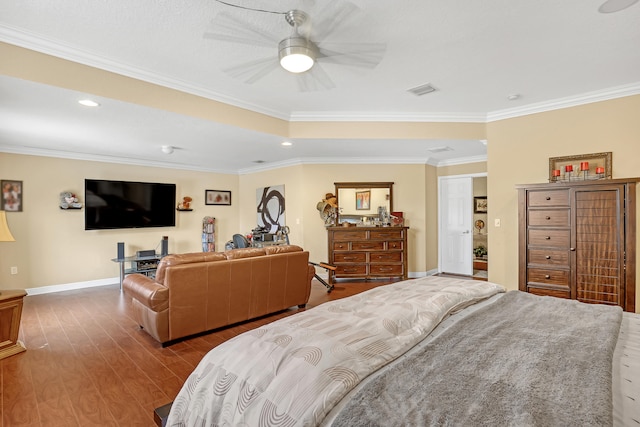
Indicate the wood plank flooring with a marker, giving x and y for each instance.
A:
(89, 364)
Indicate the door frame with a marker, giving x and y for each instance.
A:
(440, 178)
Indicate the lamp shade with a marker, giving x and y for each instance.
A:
(297, 54)
(5, 233)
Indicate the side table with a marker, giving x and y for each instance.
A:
(10, 314)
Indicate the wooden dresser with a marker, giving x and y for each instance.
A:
(368, 252)
(577, 240)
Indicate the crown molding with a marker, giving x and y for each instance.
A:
(350, 116)
(570, 101)
(35, 42)
(461, 161)
(30, 151)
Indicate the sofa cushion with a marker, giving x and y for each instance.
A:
(282, 249)
(188, 258)
(244, 253)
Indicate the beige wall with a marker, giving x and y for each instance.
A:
(306, 185)
(519, 151)
(52, 247)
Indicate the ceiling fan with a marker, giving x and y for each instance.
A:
(299, 44)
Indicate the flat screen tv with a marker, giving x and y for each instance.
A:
(124, 204)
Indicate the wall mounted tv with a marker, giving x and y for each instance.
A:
(124, 204)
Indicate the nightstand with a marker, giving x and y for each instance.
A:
(10, 313)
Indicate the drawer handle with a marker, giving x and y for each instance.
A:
(350, 270)
(548, 198)
(548, 257)
(386, 269)
(547, 237)
(572, 249)
(349, 258)
(548, 218)
(367, 247)
(546, 276)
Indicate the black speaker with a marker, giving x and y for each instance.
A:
(165, 246)
(120, 250)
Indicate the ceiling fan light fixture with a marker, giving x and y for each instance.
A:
(297, 54)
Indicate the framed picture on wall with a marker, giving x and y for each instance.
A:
(217, 197)
(480, 204)
(11, 195)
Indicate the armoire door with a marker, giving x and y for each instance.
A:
(599, 245)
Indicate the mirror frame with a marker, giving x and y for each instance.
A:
(357, 185)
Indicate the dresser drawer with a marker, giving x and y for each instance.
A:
(549, 238)
(367, 246)
(385, 257)
(543, 275)
(550, 217)
(386, 234)
(351, 269)
(558, 292)
(350, 235)
(549, 197)
(341, 246)
(384, 270)
(551, 257)
(349, 257)
(395, 244)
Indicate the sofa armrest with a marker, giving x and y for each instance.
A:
(146, 291)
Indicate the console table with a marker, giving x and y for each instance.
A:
(146, 265)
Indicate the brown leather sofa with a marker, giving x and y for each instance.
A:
(198, 292)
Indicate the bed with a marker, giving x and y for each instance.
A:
(428, 351)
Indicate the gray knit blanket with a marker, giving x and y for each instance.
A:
(521, 361)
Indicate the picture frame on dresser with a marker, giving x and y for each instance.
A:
(363, 200)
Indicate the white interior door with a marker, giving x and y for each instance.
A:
(456, 215)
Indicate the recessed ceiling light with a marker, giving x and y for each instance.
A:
(286, 144)
(513, 97)
(611, 6)
(167, 149)
(88, 103)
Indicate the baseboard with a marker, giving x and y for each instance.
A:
(72, 286)
(418, 274)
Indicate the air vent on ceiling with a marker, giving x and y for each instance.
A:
(422, 90)
(440, 149)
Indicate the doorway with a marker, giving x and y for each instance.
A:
(462, 219)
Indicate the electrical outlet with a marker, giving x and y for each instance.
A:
(496, 222)
(14, 270)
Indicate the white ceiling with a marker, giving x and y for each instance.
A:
(551, 53)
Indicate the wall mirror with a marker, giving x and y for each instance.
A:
(362, 199)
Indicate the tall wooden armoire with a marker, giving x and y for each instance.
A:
(577, 240)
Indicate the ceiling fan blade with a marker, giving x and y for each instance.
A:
(333, 16)
(363, 55)
(315, 79)
(252, 71)
(228, 28)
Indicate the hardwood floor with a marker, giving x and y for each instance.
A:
(89, 364)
